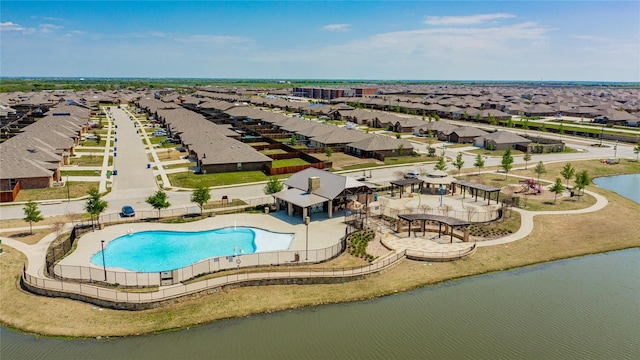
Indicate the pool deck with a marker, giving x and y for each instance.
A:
(323, 232)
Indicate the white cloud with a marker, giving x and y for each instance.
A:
(591, 38)
(337, 27)
(465, 20)
(9, 26)
(49, 28)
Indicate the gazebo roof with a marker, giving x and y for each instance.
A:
(438, 173)
(478, 186)
(451, 221)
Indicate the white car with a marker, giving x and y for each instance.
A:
(411, 175)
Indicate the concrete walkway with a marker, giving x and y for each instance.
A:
(526, 220)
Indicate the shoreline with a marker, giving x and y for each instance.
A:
(189, 326)
(581, 235)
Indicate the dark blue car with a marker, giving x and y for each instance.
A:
(127, 211)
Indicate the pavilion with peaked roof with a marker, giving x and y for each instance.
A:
(313, 190)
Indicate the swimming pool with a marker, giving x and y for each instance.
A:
(153, 251)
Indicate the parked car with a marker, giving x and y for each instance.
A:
(159, 133)
(411, 175)
(127, 211)
(91, 137)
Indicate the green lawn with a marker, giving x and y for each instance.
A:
(288, 162)
(88, 161)
(190, 180)
(155, 139)
(79, 173)
(76, 189)
(272, 151)
(393, 160)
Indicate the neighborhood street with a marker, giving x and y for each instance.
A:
(134, 182)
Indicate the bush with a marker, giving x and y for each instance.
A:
(358, 241)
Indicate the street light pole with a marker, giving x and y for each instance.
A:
(601, 133)
(68, 191)
(104, 265)
(307, 220)
(615, 150)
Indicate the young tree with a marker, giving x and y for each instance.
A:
(441, 164)
(431, 151)
(479, 163)
(328, 151)
(158, 201)
(507, 162)
(636, 150)
(459, 163)
(57, 228)
(293, 140)
(557, 188)
(200, 196)
(540, 169)
(471, 211)
(526, 158)
(568, 172)
(399, 149)
(273, 186)
(32, 214)
(95, 205)
(582, 180)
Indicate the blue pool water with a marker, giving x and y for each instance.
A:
(153, 251)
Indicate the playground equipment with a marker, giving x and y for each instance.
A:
(530, 187)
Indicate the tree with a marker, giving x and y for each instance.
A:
(399, 149)
(328, 151)
(525, 125)
(471, 211)
(200, 196)
(441, 164)
(95, 205)
(507, 162)
(293, 140)
(567, 172)
(431, 151)
(540, 169)
(158, 201)
(57, 228)
(436, 117)
(459, 163)
(398, 136)
(32, 214)
(273, 186)
(557, 188)
(582, 180)
(479, 163)
(636, 150)
(526, 158)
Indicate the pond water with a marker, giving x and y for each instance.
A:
(625, 185)
(584, 308)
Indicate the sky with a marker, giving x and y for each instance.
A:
(378, 40)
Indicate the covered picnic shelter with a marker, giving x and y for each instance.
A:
(313, 191)
(451, 222)
(402, 183)
(475, 188)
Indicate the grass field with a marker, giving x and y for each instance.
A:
(288, 162)
(190, 180)
(272, 151)
(80, 173)
(76, 189)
